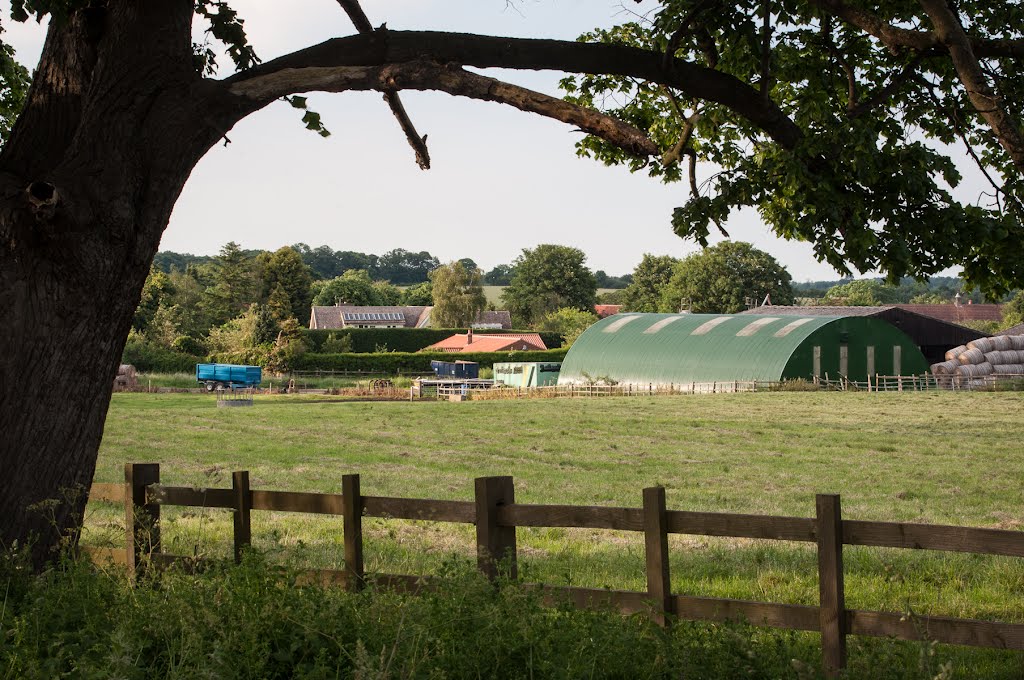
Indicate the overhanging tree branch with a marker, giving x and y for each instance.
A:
(419, 144)
(896, 38)
(262, 89)
(949, 31)
(398, 47)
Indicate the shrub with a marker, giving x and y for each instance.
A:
(151, 359)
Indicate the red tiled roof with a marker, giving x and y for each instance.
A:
(491, 342)
(606, 310)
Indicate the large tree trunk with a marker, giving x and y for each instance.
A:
(88, 179)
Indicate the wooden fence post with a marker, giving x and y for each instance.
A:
(352, 508)
(494, 543)
(659, 586)
(832, 610)
(242, 519)
(141, 519)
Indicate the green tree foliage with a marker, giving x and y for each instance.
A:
(285, 268)
(649, 279)
(354, 287)
(1013, 311)
(724, 278)
(422, 294)
(501, 275)
(547, 278)
(387, 294)
(863, 292)
(14, 83)
(155, 291)
(403, 267)
(233, 284)
(458, 295)
(840, 127)
(568, 321)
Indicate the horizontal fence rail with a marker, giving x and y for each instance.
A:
(496, 516)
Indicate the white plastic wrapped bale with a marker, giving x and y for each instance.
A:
(1008, 369)
(1016, 341)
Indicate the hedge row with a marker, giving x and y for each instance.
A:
(409, 362)
(149, 359)
(403, 339)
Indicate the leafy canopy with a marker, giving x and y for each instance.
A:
(724, 279)
(547, 278)
(869, 182)
(458, 295)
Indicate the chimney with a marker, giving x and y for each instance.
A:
(469, 337)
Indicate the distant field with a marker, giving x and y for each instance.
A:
(931, 457)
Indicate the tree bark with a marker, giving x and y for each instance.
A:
(110, 133)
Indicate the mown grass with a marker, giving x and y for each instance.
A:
(931, 457)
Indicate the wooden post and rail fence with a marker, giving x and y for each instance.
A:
(496, 516)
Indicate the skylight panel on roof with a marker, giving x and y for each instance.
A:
(790, 327)
(619, 323)
(755, 326)
(707, 326)
(658, 325)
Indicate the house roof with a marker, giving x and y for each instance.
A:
(491, 342)
(606, 310)
(1013, 330)
(501, 318)
(957, 313)
(337, 316)
(949, 313)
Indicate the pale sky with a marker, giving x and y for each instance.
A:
(501, 180)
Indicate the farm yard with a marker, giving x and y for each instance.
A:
(931, 457)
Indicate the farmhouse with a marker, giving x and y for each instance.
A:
(663, 349)
(932, 333)
(492, 342)
(353, 316)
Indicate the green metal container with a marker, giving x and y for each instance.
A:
(662, 349)
(527, 373)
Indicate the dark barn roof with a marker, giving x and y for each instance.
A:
(932, 335)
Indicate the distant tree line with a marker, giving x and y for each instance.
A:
(249, 306)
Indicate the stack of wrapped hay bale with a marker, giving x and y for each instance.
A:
(996, 356)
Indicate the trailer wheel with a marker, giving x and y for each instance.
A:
(210, 386)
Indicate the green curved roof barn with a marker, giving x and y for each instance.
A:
(664, 349)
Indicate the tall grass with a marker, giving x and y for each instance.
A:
(258, 621)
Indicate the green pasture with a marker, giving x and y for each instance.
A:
(917, 457)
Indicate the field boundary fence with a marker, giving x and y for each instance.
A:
(496, 515)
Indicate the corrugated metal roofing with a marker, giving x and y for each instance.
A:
(688, 347)
(661, 349)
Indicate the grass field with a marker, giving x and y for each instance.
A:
(925, 457)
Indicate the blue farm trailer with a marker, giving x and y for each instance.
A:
(223, 376)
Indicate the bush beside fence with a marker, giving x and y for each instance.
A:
(496, 515)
